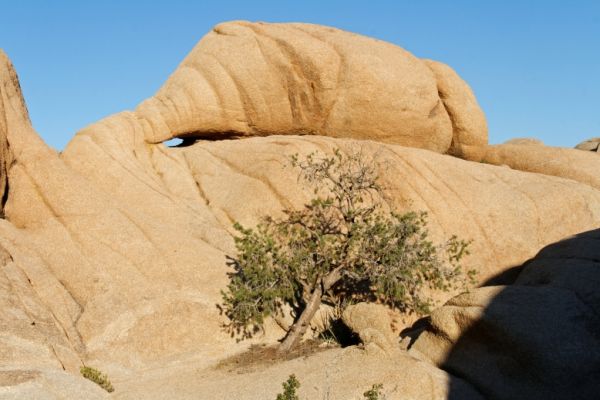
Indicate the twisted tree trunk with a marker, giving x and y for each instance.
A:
(299, 327)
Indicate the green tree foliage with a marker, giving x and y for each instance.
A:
(346, 244)
(289, 389)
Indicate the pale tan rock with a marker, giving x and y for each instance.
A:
(36, 310)
(555, 161)
(46, 384)
(592, 144)
(12, 109)
(371, 322)
(469, 126)
(335, 374)
(525, 141)
(258, 79)
(202, 188)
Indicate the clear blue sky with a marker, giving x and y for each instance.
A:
(534, 65)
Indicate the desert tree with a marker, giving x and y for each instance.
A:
(346, 244)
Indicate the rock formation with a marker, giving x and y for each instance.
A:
(592, 144)
(372, 324)
(114, 252)
(554, 161)
(535, 339)
(525, 141)
(314, 81)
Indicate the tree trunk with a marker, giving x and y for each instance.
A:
(298, 329)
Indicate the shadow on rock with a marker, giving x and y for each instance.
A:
(538, 338)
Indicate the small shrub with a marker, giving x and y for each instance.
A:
(292, 384)
(289, 389)
(374, 392)
(97, 377)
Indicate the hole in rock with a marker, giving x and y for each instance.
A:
(189, 138)
(175, 142)
(340, 333)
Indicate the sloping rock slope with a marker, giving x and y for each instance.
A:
(114, 252)
(566, 163)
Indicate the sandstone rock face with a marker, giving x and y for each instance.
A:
(37, 311)
(372, 324)
(554, 161)
(12, 106)
(47, 384)
(525, 141)
(592, 144)
(536, 339)
(115, 251)
(336, 374)
(202, 188)
(314, 80)
(468, 121)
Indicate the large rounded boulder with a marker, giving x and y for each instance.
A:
(258, 79)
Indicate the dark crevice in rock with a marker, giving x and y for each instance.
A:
(189, 138)
(339, 332)
(4, 197)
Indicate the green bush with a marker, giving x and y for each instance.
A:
(292, 384)
(344, 245)
(97, 377)
(289, 389)
(374, 392)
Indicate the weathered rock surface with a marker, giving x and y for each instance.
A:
(336, 374)
(592, 144)
(46, 384)
(115, 250)
(554, 161)
(372, 323)
(188, 197)
(525, 141)
(468, 120)
(536, 339)
(314, 80)
(37, 312)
